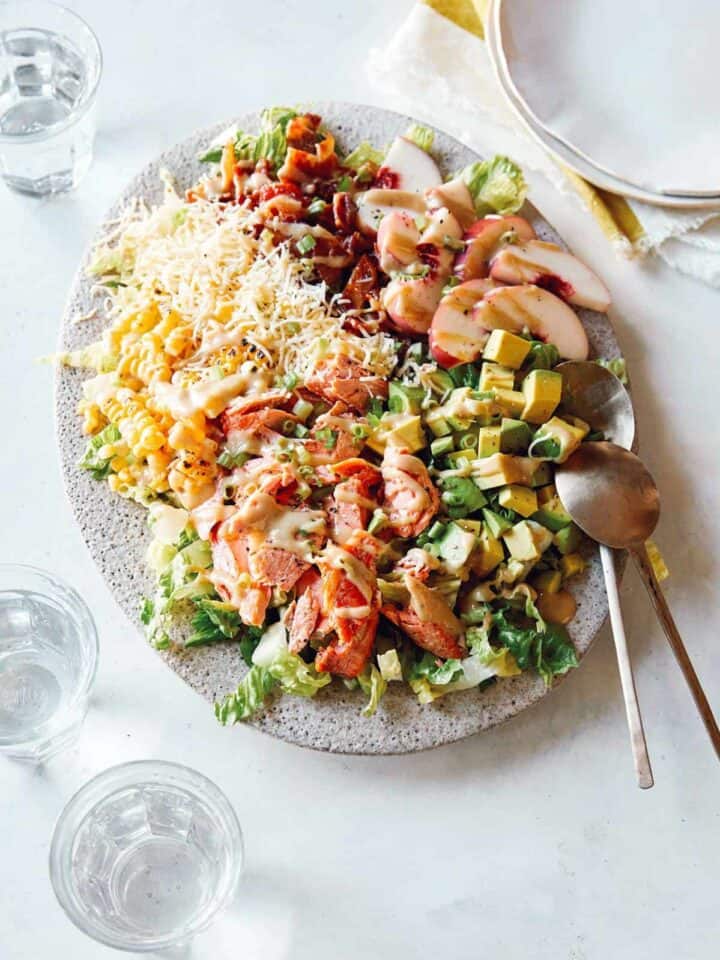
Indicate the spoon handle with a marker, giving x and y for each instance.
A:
(678, 647)
(632, 709)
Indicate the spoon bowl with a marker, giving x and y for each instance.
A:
(610, 494)
(598, 397)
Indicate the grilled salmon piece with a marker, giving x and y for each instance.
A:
(344, 379)
(354, 498)
(429, 636)
(273, 566)
(410, 497)
(230, 562)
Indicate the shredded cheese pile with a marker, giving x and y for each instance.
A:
(205, 307)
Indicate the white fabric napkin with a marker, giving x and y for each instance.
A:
(436, 71)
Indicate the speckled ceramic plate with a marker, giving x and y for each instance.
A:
(117, 536)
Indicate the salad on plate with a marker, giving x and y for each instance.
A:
(332, 381)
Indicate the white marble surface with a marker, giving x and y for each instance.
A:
(529, 841)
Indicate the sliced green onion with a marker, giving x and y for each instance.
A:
(306, 244)
(302, 409)
(344, 183)
(317, 206)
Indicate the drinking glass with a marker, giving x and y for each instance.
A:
(50, 66)
(48, 658)
(145, 855)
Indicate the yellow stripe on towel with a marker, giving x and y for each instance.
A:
(467, 14)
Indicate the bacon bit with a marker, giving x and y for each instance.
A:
(270, 190)
(363, 283)
(344, 212)
(386, 179)
(301, 166)
(302, 131)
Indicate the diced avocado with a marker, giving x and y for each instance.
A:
(493, 375)
(499, 469)
(543, 538)
(543, 475)
(517, 569)
(460, 458)
(474, 526)
(488, 555)
(462, 409)
(402, 429)
(442, 445)
(510, 403)
(390, 666)
(571, 564)
(506, 348)
(549, 581)
(542, 390)
(461, 496)
(553, 515)
(488, 441)
(440, 380)
(440, 427)
(496, 524)
(456, 546)
(521, 543)
(403, 398)
(568, 539)
(522, 500)
(515, 436)
(546, 492)
(558, 438)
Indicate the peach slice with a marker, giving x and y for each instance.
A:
(415, 169)
(455, 336)
(456, 197)
(411, 304)
(483, 238)
(397, 240)
(377, 203)
(466, 316)
(548, 265)
(537, 311)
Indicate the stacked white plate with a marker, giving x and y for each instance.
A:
(621, 91)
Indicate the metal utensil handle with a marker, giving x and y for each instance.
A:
(632, 709)
(678, 647)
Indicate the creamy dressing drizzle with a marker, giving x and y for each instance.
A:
(210, 396)
(354, 569)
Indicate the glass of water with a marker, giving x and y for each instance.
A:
(50, 66)
(48, 658)
(145, 855)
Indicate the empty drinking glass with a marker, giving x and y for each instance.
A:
(145, 855)
(50, 65)
(48, 657)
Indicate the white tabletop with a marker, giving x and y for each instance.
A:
(528, 841)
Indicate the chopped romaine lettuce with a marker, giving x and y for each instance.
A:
(362, 154)
(498, 658)
(249, 698)
(423, 137)
(616, 366)
(390, 665)
(373, 685)
(496, 186)
(549, 650)
(270, 143)
(436, 672)
(94, 459)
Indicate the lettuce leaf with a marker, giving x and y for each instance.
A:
(278, 669)
(215, 621)
(270, 143)
(249, 698)
(422, 137)
(549, 650)
(616, 366)
(498, 658)
(496, 186)
(99, 467)
(373, 685)
(434, 671)
(364, 153)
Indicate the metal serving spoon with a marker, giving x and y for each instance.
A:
(597, 396)
(611, 496)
